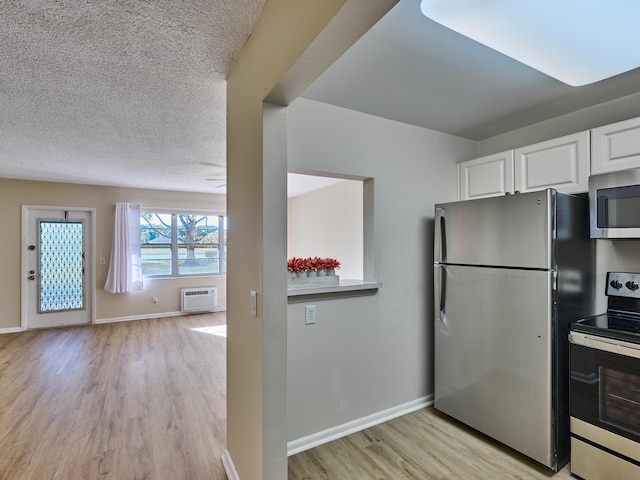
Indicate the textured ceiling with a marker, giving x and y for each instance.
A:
(132, 92)
(121, 92)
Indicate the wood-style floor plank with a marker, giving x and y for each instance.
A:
(423, 445)
(135, 400)
(147, 400)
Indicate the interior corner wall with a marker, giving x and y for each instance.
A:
(328, 222)
(15, 193)
(256, 433)
(369, 354)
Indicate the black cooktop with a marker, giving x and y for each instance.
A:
(610, 325)
(622, 320)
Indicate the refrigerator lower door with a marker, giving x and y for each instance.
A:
(493, 354)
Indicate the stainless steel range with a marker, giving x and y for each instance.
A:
(605, 386)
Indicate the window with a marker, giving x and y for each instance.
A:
(177, 243)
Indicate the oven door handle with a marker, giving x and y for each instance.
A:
(605, 344)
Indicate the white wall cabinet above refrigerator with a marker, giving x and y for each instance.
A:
(615, 147)
(489, 176)
(561, 163)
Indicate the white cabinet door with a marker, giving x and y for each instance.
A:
(562, 163)
(488, 176)
(615, 147)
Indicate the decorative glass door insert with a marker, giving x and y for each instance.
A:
(61, 265)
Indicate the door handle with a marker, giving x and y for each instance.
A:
(440, 291)
(443, 293)
(440, 236)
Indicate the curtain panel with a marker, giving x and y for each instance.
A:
(125, 265)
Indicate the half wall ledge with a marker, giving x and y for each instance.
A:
(346, 288)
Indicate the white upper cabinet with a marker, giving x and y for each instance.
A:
(562, 163)
(488, 176)
(615, 147)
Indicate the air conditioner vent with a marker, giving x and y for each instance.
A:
(201, 299)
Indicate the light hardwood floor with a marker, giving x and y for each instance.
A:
(135, 400)
(147, 400)
(422, 445)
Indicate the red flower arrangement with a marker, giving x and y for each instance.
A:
(330, 264)
(299, 265)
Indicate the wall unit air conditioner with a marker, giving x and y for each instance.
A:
(200, 299)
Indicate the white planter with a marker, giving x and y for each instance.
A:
(306, 282)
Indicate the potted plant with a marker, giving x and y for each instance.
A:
(297, 266)
(312, 267)
(315, 266)
(330, 265)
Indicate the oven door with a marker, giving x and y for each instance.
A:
(605, 384)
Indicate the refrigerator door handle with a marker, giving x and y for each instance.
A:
(440, 235)
(440, 284)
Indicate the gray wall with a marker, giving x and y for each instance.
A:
(370, 354)
(585, 119)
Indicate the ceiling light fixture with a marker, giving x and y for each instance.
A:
(575, 41)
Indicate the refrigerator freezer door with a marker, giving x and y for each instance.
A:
(493, 358)
(512, 231)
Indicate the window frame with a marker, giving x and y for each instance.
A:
(175, 246)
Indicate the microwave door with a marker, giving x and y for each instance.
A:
(614, 201)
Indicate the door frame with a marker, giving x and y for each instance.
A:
(91, 278)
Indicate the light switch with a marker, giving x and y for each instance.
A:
(254, 303)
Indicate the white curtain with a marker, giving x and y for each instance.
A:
(125, 267)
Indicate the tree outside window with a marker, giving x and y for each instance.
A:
(182, 244)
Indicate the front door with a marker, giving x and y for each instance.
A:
(57, 267)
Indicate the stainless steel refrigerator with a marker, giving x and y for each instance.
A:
(510, 274)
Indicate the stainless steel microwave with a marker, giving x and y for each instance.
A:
(614, 204)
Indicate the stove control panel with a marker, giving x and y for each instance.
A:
(621, 284)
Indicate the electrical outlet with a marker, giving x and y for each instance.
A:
(102, 261)
(310, 315)
(254, 303)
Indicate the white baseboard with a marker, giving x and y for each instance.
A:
(138, 317)
(151, 315)
(10, 330)
(229, 467)
(325, 436)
